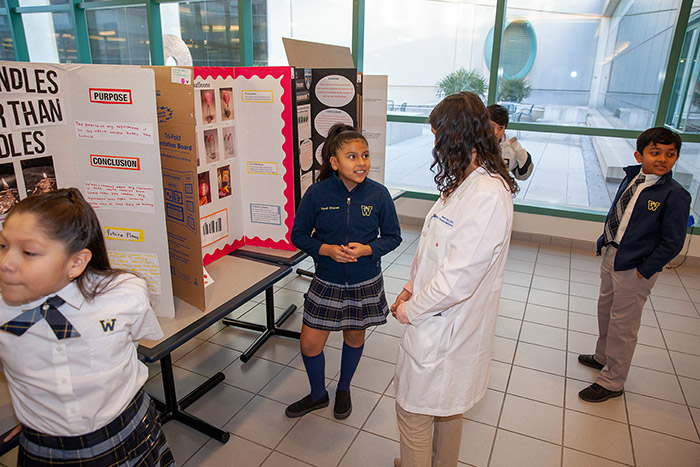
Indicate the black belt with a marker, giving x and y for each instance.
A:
(613, 244)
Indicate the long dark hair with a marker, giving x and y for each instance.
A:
(338, 135)
(462, 126)
(64, 216)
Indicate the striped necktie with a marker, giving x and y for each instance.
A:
(48, 311)
(613, 223)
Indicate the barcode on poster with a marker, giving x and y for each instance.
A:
(214, 227)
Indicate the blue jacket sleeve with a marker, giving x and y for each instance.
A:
(674, 224)
(304, 225)
(389, 229)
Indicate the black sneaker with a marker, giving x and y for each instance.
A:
(306, 405)
(590, 362)
(597, 393)
(343, 405)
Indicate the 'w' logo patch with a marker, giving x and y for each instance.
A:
(652, 205)
(108, 324)
(366, 210)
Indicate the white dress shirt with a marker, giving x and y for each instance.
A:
(649, 180)
(74, 386)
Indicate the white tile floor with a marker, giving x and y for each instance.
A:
(531, 414)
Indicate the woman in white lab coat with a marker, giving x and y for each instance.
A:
(451, 301)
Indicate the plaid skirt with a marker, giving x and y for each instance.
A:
(333, 307)
(134, 438)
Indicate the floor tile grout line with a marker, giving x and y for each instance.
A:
(508, 380)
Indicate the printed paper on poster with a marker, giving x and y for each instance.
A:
(258, 167)
(335, 91)
(120, 196)
(146, 264)
(214, 227)
(265, 214)
(257, 95)
(115, 131)
(122, 233)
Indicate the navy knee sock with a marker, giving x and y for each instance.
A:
(348, 365)
(315, 370)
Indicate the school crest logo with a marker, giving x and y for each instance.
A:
(366, 210)
(108, 324)
(652, 205)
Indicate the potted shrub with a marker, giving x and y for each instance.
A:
(513, 89)
(462, 80)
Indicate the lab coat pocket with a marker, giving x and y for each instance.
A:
(425, 343)
(436, 241)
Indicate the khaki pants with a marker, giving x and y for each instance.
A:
(622, 297)
(427, 440)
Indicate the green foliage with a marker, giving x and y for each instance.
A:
(462, 80)
(513, 89)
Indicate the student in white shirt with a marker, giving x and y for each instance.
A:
(69, 330)
(517, 159)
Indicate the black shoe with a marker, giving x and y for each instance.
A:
(597, 393)
(589, 361)
(306, 405)
(343, 405)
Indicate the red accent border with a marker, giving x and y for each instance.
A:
(213, 72)
(138, 162)
(128, 91)
(285, 73)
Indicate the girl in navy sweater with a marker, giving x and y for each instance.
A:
(346, 222)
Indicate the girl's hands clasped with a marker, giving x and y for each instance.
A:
(345, 254)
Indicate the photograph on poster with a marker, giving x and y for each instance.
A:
(226, 103)
(39, 175)
(9, 194)
(304, 121)
(211, 145)
(204, 188)
(229, 142)
(223, 175)
(208, 106)
(318, 155)
(306, 154)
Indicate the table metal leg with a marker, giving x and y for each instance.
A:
(172, 409)
(271, 327)
(304, 272)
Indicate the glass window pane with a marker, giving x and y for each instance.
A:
(119, 36)
(50, 37)
(609, 76)
(42, 2)
(688, 165)
(684, 107)
(420, 43)
(210, 32)
(328, 22)
(570, 171)
(7, 50)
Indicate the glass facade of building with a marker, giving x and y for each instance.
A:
(580, 79)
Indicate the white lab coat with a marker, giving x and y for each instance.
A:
(445, 352)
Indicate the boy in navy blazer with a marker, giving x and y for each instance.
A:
(644, 230)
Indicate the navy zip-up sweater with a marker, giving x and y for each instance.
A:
(657, 226)
(366, 215)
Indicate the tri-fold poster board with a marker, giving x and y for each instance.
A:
(227, 153)
(201, 156)
(94, 129)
